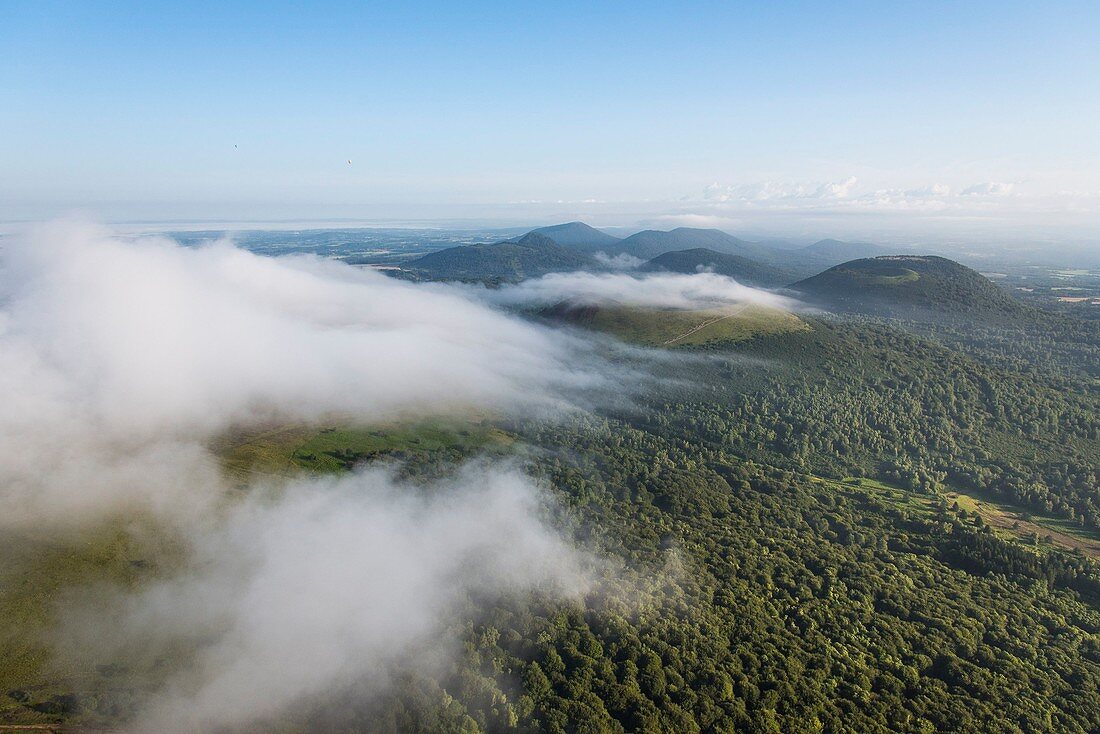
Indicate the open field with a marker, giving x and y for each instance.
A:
(1020, 523)
(39, 572)
(895, 496)
(676, 328)
(286, 450)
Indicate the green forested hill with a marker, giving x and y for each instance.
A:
(756, 594)
(836, 250)
(741, 269)
(755, 588)
(869, 399)
(529, 256)
(911, 285)
(578, 235)
(651, 243)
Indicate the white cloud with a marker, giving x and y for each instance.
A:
(121, 360)
(710, 221)
(622, 261)
(845, 196)
(780, 191)
(836, 190)
(989, 188)
(113, 352)
(932, 190)
(340, 582)
(658, 290)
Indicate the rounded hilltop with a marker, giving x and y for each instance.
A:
(909, 285)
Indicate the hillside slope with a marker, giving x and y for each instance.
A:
(650, 243)
(741, 269)
(578, 235)
(670, 328)
(910, 285)
(530, 256)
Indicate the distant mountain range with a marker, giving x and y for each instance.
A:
(529, 256)
(579, 235)
(741, 269)
(865, 281)
(792, 263)
(651, 242)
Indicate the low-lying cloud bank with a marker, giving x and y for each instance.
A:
(120, 358)
(120, 362)
(622, 261)
(656, 290)
(342, 582)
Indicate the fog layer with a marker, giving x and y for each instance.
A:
(659, 290)
(121, 362)
(120, 359)
(341, 582)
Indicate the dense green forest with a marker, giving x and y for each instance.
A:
(762, 590)
(915, 285)
(529, 256)
(776, 549)
(873, 400)
(776, 601)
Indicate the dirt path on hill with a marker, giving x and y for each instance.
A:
(736, 310)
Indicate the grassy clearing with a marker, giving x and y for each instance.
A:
(883, 492)
(1007, 520)
(895, 496)
(40, 572)
(673, 328)
(291, 450)
(890, 276)
(1025, 525)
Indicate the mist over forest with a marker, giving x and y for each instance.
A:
(325, 480)
(573, 368)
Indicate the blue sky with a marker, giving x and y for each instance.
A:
(880, 116)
